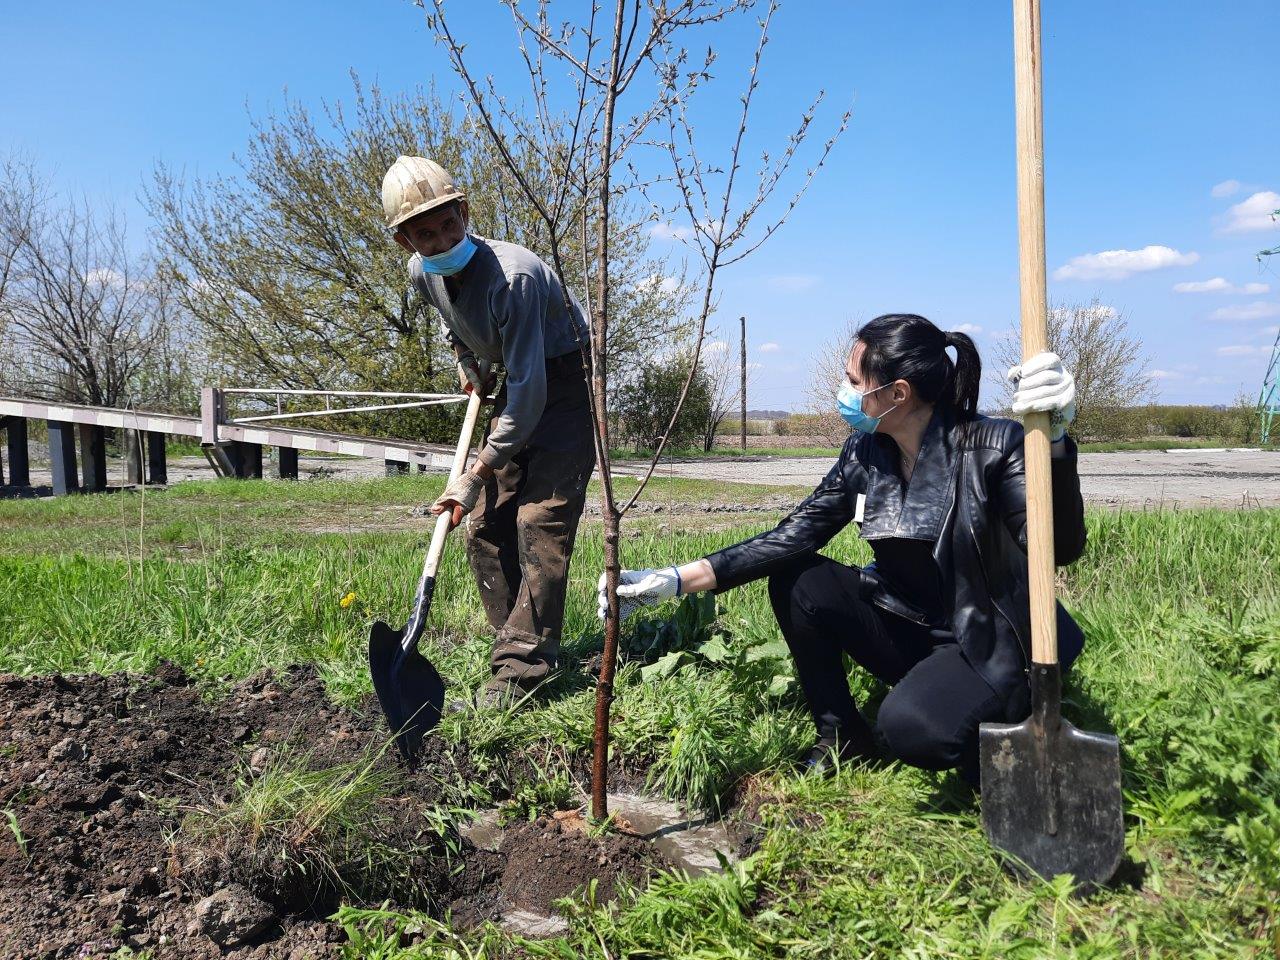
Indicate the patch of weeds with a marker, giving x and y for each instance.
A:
(532, 798)
(303, 837)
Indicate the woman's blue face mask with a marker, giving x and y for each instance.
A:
(452, 260)
(849, 403)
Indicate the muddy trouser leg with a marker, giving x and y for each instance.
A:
(492, 545)
(551, 503)
(557, 465)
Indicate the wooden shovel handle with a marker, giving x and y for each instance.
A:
(1030, 145)
(459, 464)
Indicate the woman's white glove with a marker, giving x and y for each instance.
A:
(639, 588)
(1042, 385)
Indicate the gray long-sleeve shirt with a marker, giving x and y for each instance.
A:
(510, 310)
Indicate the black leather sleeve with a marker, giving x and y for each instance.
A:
(1068, 506)
(808, 528)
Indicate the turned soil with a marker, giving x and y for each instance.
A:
(101, 777)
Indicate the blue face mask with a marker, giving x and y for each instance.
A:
(849, 403)
(452, 260)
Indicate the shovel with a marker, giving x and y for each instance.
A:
(1050, 793)
(409, 688)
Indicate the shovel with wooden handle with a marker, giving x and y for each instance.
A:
(1050, 793)
(409, 688)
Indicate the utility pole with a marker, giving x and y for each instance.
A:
(742, 395)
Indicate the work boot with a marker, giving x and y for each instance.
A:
(504, 696)
(829, 753)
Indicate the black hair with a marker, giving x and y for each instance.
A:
(904, 346)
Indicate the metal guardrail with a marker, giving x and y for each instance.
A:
(232, 445)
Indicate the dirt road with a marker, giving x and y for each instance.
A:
(1218, 478)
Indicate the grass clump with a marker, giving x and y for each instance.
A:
(306, 837)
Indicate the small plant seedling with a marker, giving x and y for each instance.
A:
(16, 829)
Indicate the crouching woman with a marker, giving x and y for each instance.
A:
(938, 492)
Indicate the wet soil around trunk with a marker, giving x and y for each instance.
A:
(102, 777)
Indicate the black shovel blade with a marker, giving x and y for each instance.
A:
(1051, 798)
(410, 690)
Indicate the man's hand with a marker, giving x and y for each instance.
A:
(1042, 385)
(460, 496)
(639, 588)
(475, 374)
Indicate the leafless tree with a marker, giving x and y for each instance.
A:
(589, 150)
(828, 371)
(78, 303)
(724, 388)
(1097, 346)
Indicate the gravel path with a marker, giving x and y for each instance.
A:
(1219, 478)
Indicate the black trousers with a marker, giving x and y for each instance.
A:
(931, 716)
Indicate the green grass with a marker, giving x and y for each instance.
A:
(1165, 443)
(1182, 610)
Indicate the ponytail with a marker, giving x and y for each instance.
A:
(904, 346)
(967, 378)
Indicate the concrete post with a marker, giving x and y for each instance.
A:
(129, 440)
(19, 464)
(62, 458)
(93, 457)
(286, 463)
(157, 466)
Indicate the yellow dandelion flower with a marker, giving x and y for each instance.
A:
(347, 601)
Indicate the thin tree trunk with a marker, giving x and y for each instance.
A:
(742, 396)
(609, 513)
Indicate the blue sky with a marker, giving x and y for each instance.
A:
(1162, 146)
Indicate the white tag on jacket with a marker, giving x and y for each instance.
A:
(859, 506)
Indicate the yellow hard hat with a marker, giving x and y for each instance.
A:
(415, 185)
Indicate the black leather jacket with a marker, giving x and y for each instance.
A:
(968, 496)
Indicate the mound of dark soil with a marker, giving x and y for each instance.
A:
(98, 772)
(555, 857)
(101, 777)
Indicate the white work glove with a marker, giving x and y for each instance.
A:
(461, 494)
(1042, 385)
(639, 588)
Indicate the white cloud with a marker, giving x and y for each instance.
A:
(1167, 375)
(105, 276)
(1255, 213)
(769, 347)
(714, 346)
(1216, 285)
(1220, 285)
(1243, 313)
(664, 284)
(793, 281)
(1225, 189)
(1240, 350)
(1118, 264)
(755, 366)
(666, 231)
(972, 329)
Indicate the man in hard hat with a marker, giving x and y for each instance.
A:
(501, 304)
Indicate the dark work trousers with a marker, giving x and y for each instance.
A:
(929, 719)
(520, 534)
